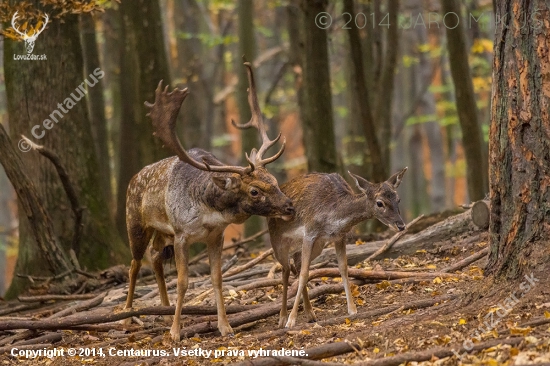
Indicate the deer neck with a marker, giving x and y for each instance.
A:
(356, 209)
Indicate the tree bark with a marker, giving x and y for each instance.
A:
(44, 246)
(472, 140)
(362, 95)
(97, 105)
(519, 142)
(386, 86)
(143, 64)
(247, 48)
(317, 117)
(38, 88)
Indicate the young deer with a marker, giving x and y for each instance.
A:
(193, 197)
(326, 209)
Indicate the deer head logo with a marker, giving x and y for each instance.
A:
(29, 39)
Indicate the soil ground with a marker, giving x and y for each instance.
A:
(474, 315)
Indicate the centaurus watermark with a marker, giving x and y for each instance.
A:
(29, 39)
(39, 131)
(503, 309)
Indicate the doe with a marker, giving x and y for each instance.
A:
(326, 209)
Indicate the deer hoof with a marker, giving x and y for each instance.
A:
(226, 330)
(352, 309)
(175, 334)
(290, 323)
(282, 322)
(126, 322)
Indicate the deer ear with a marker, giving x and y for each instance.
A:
(395, 180)
(228, 183)
(361, 183)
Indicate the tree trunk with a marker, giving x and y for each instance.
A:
(143, 64)
(97, 105)
(472, 139)
(42, 245)
(317, 118)
(519, 142)
(434, 138)
(5, 225)
(38, 87)
(247, 48)
(362, 95)
(385, 92)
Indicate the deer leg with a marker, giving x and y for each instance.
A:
(341, 256)
(284, 312)
(307, 247)
(158, 268)
(181, 251)
(139, 239)
(308, 309)
(215, 256)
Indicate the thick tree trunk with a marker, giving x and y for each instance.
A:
(362, 95)
(39, 88)
(472, 138)
(6, 193)
(97, 105)
(42, 245)
(520, 139)
(143, 64)
(317, 118)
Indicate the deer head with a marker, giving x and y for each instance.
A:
(257, 189)
(383, 198)
(29, 39)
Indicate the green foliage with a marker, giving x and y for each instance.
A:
(209, 39)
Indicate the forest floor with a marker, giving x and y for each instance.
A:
(419, 320)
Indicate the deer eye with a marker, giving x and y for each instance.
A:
(379, 204)
(254, 192)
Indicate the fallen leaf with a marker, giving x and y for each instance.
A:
(521, 331)
(462, 321)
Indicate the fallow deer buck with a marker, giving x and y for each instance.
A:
(326, 209)
(193, 197)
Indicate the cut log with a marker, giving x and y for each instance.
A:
(433, 237)
(480, 214)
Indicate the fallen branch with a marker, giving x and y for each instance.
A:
(393, 239)
(108, 315)
(466, 261)
(249, 264)
(44, 298)
(438, 352)
(204, 254)
(85, 305)
(364, 274)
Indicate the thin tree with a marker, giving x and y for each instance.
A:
(247, 47)
(472, 138)
(316, 113)
(143, 64)
(519, 144)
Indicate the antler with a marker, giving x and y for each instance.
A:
(25, 36)
(46, 18)
(164, 112)
(15, 16)
(256, 121)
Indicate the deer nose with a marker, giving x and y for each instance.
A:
(401, 226)
(289, 209)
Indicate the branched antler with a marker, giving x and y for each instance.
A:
(257, 121)
(164, 113)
